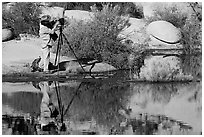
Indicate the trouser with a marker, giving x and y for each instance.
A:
(46, 57)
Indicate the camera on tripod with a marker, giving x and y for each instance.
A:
(61, 21)
(57, 24)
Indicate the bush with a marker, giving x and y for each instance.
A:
(98, 38)
(137, 57)
(22, 17)
(163, 69)
(171, 14)
(192, 30)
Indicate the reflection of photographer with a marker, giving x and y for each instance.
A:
(48, 34)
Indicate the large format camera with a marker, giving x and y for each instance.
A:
(51, 24)
(61, 21)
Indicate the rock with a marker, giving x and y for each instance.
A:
(7, 34)
(59, 12)
(135, 32)
(101, 67)
(74, 67)
(163, 33)
(54, 12)
(78, 15)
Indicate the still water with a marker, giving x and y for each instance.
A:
(104, 107)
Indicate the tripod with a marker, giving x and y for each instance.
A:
(59, 44)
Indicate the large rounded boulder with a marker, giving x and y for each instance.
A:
(7, 34)
(162, 33)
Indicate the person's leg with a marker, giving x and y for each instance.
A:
(46, 58)
(41, 64)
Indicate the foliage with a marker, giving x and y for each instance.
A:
(98, 38)
(171, 14)
(158, 69)
(192, 31)
(192, 65)
(137, 57)
(22, 17)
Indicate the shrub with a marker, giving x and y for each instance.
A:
(171, 14)
(163, 69)
(192, 30)
(98, 38)
(136, 58)
(22, 17)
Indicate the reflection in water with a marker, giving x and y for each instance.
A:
(104, 107)
(21, 102)
(192, 65)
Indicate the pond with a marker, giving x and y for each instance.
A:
(103, 107)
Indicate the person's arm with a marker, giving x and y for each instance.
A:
(46, 30)
(56, 26)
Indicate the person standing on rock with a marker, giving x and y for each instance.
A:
(48, 27)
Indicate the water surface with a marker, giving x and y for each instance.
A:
(106, 107)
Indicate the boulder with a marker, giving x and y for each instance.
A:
(7, 34)
(163, 33)
(135, 31)
(74, 67)
(59, 12)
(100, 67)
(78, 15)
(54, 12)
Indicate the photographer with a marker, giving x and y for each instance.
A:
(47, 31)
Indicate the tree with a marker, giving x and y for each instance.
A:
(23, 18)
(192, 30)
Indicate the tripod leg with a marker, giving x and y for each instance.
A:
(58, 44)
(92, 66)
(61, 43)
(73, 51)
